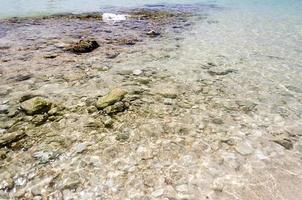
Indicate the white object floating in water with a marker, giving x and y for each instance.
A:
(110, 17)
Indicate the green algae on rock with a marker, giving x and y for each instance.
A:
(111, 98)
(36, 105)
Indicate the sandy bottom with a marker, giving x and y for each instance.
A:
(213, 108)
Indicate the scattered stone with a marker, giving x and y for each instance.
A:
(80, 148)
(115, 108)
(153, 33)
(92, 109)
(2, 154)
(149, 14)
(221, 73)
(101, 68)
(112, 55)
(70, 181)
(36, 105)
(169, 101)
(127, 42)
(39, 119)
(137, 72)
(244, 148)
(45, 156)
(167, 92)
(111, 98)
(285, 142)
(182, 188)
(6, 181)
(2, 130)
(122, 137)
(21, 77)
(28, 96)
(8, 138)
(125, 72)
(4, 109)
(157, 193)
(143, 80)
(246, 106)
(108, 122)
(218, 185)
(84, 46)
(50, 56)
(94, 123)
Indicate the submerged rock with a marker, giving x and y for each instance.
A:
(84, 46)
(36, 105)
(111, 98)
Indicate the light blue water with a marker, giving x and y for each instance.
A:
(12, 8)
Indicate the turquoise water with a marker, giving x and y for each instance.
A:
(12, 8)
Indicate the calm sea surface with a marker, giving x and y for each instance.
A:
(11, 8)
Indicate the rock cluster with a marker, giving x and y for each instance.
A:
(84, 46)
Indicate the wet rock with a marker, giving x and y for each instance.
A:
(111, 98)
(84, 46)
(36, 105)
(244, 148)
(153, 33)
(9, 138)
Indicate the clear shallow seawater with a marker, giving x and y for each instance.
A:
(260, 39)
(12, 8)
